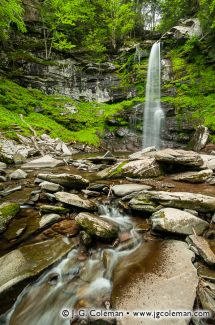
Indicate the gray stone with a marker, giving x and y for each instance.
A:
(209, 161)
(69, 181)
(180, 157)
(180, 200)
(46, 161)
(187, 28)
(203, 248)
(194, 177)
(30, 260)
(97, 226)
(145, 168)
(168, 281)
(199, 138)
(75, 201)
(177, 221)
(141, 154)
(48, 219)
(126, 189)
(9, 148)
(8, 211)
(18, 174)
(50, 187)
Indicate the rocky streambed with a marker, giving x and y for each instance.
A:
(133, 232)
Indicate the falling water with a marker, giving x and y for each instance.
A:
(153, 113)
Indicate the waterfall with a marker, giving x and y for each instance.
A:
(153, 113)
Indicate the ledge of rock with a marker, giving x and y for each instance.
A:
(194, 177)
(179, 157)
(43, 162)
(126, 189)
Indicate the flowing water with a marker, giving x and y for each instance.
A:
(74, 283)
(153, 113)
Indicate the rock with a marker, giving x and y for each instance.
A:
(9, 149)
(199, 138)
(193, 212)
(69, 181)
(187, 28)
(213, 218)
(98, 187)
(194, 177)
(203, 248)
(8, 211)
(18, 174)
(141, 154)
(75, 201)
(97, 226)
(209, 161)
(144, 168)
(46, 161)
(66, 150)
(180, 200)
(168, 281)
(177, 221)
(66, 227)
(126, 189)
(50, 187)
(90, 193)
(49, 219)
(85, 238)
(53, 209)
(3, 165)
(179, 157)
(10, 190)
(3, 179)
(30, 260)
(206, 295)
(108, 154)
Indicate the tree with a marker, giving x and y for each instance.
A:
(11, 13)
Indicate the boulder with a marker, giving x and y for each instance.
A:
(199, 138)
(178, 222)
(180, 200)
(126, 189)
(203, 248)
(145, 168)
(69, 181)
(194, 177)
(209, 161)
(179, 157)
(30, 260)
(8, 211)
(186, 29)
(18, 174)
(46, 161)
(97, 226)
(50, 187)
(9, 148)
(162, 279)
(49, 219)
(75, 201)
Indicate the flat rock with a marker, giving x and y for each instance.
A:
(46, 161)
(8, 211)
(97, 225)
(53, 209)
(126, 189)
(50, 187)
(179, 157)
(194, 177)
(180, 200)
(167, 282)
(177, 221)
(141, 154)
(69, 181)
(75, 201)
(66, 227)
(203, 248)
(30, 260)
(146, 168)
(48, 219)
(18, 174)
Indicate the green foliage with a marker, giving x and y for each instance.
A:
(11, 12)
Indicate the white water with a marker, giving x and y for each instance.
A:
(153, 113)
(73, 281)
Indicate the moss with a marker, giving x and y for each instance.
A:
(118, 170)
(8, 211)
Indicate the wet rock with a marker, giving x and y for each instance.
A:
(168, 285)
(97, 226)
(46, 161)
(99, 187)
(50, 187)
(3, 165)
(194, 177)
(30, 260)
(179, 157)
(145, 168)
(209, 161)
(10, 190)
(180, 200)
(199, 138)
(177, 221)
(203, 248)
(18, 174)
(141, 154)
(66, 227)
(49, 219)
(85, 238)
(75, 201)
(69, 181)
(53, 209)
(8, 211)
(126, 189)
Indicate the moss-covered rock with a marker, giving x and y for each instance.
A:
(8, 211)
